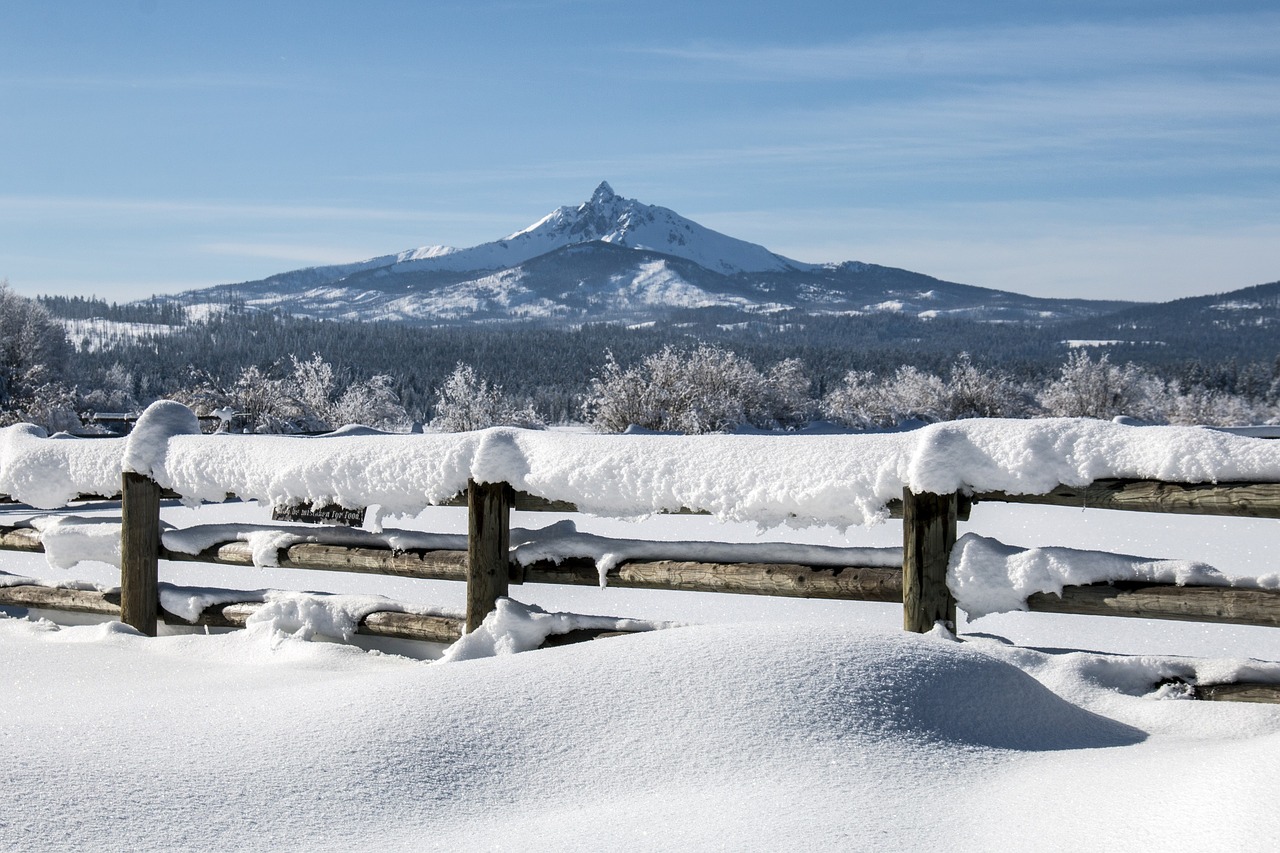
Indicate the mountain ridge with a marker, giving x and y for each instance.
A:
(615, 259)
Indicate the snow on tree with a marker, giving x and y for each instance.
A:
(372, 402)
(1098, 389)
(864, 400)
(114, 392)
(33, 354)
(1198, 405)
(202, 393)
(785, 396)
(310, 389)
(859, 401)
(974, 393)
(307, 399)
(263, 400)
(468, 402)
(707, 389)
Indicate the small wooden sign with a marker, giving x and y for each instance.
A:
(306, 513)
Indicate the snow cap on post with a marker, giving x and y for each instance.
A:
(499, 458)
(150, 436)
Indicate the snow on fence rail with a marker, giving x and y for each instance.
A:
(931, 476)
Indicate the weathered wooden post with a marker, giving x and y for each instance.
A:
(488, 548)
(928, 535)
(139, 551)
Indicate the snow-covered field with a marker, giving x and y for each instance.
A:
(764, 724)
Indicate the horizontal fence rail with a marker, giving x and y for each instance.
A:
(854, 583)
(383, 623)
(1239, 500)
(487, 568)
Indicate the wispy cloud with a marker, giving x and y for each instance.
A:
(995, 51)
(999, 132)
(290, 252)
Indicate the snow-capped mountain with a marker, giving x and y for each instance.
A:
(618, 259)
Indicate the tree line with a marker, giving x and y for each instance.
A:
(279, 373)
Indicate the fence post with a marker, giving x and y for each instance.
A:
(488, 548)
(139, 551)
(928, 535)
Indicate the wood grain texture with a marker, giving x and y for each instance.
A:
(1244, 500)
(52, 598)
(928, 535)
(1224, 604)
(416, 563)
(139, 551)
(21, 539)
(782, 579)
(1239, 692)
(488, 548)
(382, 623)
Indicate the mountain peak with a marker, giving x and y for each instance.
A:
(603, 194)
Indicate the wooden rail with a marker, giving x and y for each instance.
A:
(383, 623)
(1225, 604)
(929, 535)
(1241, 500)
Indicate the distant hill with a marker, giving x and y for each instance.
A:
(1243, 324)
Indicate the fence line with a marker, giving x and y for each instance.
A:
(928, 537)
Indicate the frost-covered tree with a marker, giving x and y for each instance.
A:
(1198, 405)
(1097, 389)
(310, 390)
(974, 393)
(52, 406)
(864, 400)
(263, 402)
(33, 355)
(785, 398)
(707, 389)
(858, 401)
(201, 392)
(467, 402)
(373, 402)
(114, 392)
(307, 399)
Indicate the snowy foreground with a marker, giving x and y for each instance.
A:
(749, 723)
(764, 724)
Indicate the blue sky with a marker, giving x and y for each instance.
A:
(1120, 149)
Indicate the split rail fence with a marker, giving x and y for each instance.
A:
(487, 568)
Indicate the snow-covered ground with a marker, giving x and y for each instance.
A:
(764, 724)
(97, 334)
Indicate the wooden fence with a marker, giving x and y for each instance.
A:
(929, 534)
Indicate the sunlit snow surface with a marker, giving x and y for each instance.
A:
(767, 724)
(805, 479)
(764, 724)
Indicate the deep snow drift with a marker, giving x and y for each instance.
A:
(770, 738)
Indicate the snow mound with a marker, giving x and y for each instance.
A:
(987, 576)
(47, 473)
(149, 438)
(69, 539)
(693, 738)
(307, 615)
(815, 683)
(514, 627)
